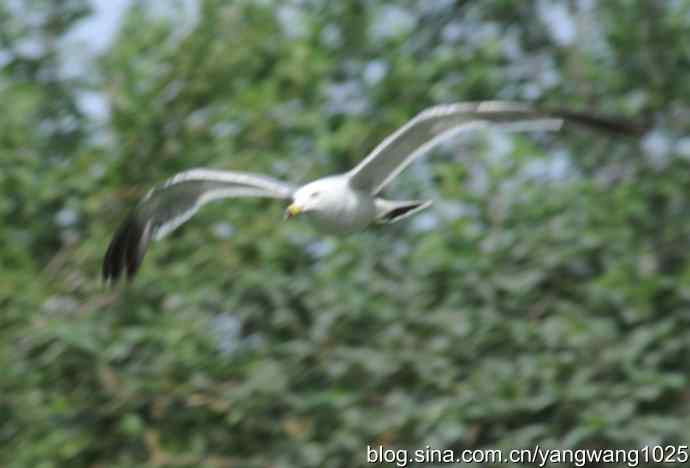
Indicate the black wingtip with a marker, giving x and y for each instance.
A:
(611, 124)
(126, 250)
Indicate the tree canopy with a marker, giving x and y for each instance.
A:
(544, 299)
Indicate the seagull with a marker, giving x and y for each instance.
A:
(338, 204)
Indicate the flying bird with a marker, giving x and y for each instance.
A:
(337, 204)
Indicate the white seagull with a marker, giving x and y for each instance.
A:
(337, 204)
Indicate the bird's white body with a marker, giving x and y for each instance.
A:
(332, 206)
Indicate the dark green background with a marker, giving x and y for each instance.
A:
(544, 298)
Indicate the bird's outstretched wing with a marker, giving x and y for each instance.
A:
(172, 203)
(439, 123)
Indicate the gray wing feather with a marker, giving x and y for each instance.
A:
(171, 204)
(428, 129)
(436, 124)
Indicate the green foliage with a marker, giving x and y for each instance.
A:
(543, 299)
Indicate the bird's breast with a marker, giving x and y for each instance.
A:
(345, 215)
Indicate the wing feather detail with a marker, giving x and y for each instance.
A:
(439, 123)
(173, 203)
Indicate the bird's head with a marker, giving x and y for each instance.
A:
(316, 196)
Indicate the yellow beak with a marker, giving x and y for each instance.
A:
(292, 211)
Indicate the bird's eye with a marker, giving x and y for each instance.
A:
(314, 194)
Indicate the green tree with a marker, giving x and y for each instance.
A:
(543, 300)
